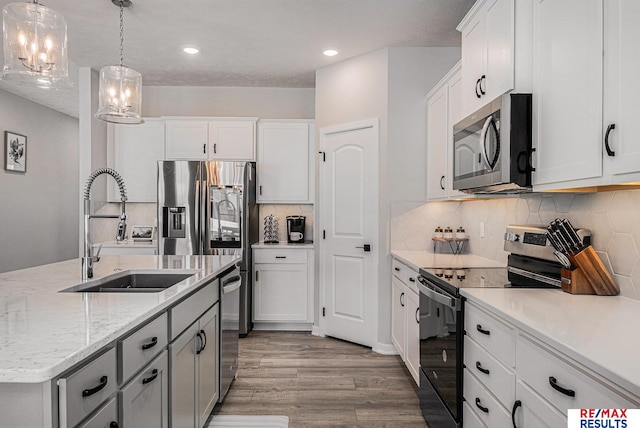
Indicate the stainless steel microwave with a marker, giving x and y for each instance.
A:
(492, 148)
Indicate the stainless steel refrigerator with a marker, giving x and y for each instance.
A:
(209, 207)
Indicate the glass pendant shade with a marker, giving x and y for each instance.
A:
(120, 96)
(35, 46)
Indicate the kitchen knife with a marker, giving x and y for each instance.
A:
(565, 234)
(552, 239)
(575, 238)
(566, 247)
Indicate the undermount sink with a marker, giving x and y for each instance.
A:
(133, 282)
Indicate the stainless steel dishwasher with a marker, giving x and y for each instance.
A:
(229, 328)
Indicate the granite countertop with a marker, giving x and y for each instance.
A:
(418, 259)
(597, 331)
(127, 243)
(44, 332)
(283, 245)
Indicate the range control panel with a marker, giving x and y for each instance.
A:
(532, 241)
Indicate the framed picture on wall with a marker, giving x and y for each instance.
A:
(15, 152)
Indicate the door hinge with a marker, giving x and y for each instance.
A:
(323, 312)
(324, 234)
(324, 156)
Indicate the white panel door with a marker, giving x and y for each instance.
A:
(186, 139)
(349, 218)
(437, 145)
(232, 140)
(621, 85)
(567, 90)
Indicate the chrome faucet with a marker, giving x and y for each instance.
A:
(88, 259)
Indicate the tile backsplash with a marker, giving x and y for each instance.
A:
(612, 218)
(282, 211)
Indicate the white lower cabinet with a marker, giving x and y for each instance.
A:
(107, 417)
(283, 288)
(145, 400)
(194, 372)
(405, 316)
(512, 378)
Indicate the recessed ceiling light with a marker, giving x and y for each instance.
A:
(192, 50)
(331, 52)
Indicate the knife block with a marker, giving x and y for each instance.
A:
(574, 282)
(594, 272)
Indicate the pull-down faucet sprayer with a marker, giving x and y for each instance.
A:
(87, 259)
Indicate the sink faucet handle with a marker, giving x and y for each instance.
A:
(96, 258)
(122, 230)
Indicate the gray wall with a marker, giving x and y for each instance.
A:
(39, 219)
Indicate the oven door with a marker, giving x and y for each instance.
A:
(441, 336)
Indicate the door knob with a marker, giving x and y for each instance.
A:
(366, 247)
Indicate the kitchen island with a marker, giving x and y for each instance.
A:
(45, 333)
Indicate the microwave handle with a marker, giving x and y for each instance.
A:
(483, 143)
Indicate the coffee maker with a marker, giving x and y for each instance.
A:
(295, 228)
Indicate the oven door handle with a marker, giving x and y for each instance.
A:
(432, 294)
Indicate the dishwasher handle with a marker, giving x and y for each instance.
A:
(427, 289)
(230, 285)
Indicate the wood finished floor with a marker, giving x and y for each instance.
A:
(319, 381)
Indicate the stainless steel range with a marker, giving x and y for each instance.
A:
(531, 263)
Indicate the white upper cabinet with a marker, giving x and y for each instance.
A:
(232, 140)
(134, 151)
(488, 37)
(567, 90)
(621, 87)
(444, 109)
(285, 163)
(186, 139)
(209, 139)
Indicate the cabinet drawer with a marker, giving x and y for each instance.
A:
(565, 385)
(280, 256)
(535, 412)
(141, 347)
(493, 334)
(483, 404)
(471, 420)
(495, 376)
(104, 417)
(83, 391)
(398, 269)
(186, 312)
(411, 280)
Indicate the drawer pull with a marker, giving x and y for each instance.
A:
(281, 257)
(479, 406)
(91, 391)
(397, 269)
(154, 342)
(113, 424)
(517, 404)
(554, 384)
(154, 375)
(412, 279)
(481, 330)
(483, 370)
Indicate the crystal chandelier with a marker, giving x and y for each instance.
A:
(35, 46)
(120, 93)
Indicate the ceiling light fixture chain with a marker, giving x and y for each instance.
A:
(121, 33)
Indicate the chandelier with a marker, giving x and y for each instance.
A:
(35, 46)
(120, 91)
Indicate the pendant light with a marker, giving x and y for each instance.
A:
(35, 46)
(120, 92)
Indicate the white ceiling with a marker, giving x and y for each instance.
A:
(274, 43)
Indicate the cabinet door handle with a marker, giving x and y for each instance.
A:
(261, 190)
(442, 182)
(401, 302)
(554, 384)
(418, 315)
(91, 391)
(516, 404)
(477, 93)
(481, 330)
(479, 406)
(200, 347)
(482, 79)
(154, 342)
(154, 375)
(610, 128)
(412, 280)
(204, 148)
(482, 369)
(397, 269)
(257, 276)
(215, 147)
(113, 424)
(204, 344)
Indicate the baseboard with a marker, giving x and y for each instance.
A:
(385, 349)
(283, 326)
(315, 331)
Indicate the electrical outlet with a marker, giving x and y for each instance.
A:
(482, 233)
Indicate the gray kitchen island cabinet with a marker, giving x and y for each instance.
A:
(106, 359)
